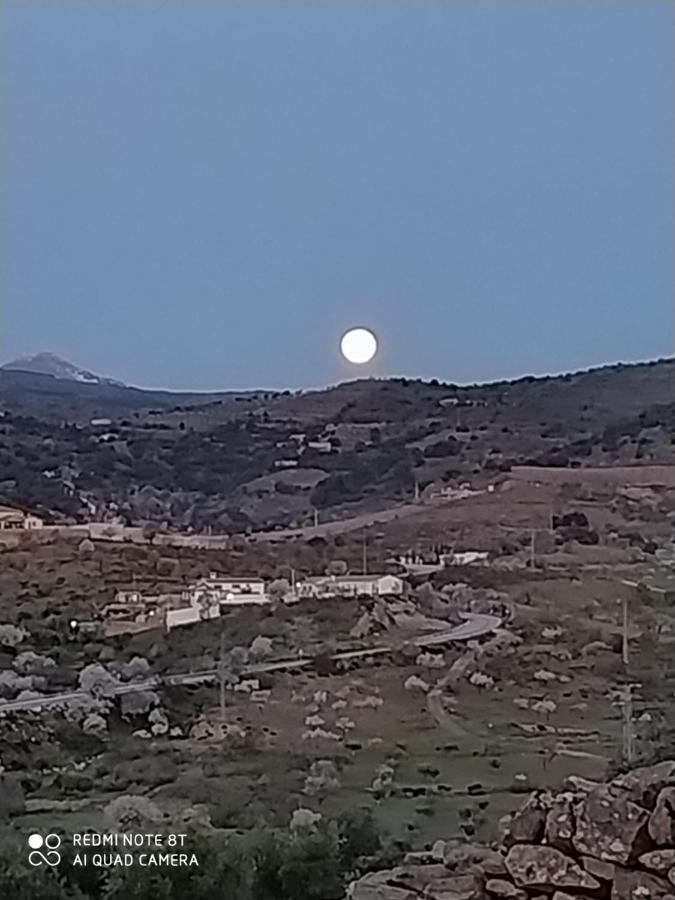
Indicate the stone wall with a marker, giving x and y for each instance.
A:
(612, 841)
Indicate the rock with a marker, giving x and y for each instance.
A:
(598, 868)
(658, 860)
(559, 826)
(201, 730)
(609, 827)
(635, 885)
(526, 825)
(379, 886)
(662, 820)
(544, 675)
(461, 856)
(552, 632)
(581, 785)
(432, 882)
(535, 866)
(595, 647)
(456, 887)
(314, 721)
(500, 887)
(414, 682)
(644, 785)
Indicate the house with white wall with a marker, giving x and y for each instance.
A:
(207, 598)
(13, 519)
(350, 586)
(220, 587)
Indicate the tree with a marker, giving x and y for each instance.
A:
(130, 811)
(10, 636)
(167, 567)
(261, 648)
(97, 681)
(150, 531)
(86, 547)
(278, 588)
(358, 836)
(337, 567)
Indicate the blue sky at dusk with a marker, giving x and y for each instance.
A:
(204, 195)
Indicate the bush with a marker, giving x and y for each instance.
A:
(167, 567)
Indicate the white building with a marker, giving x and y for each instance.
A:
(12, 519)
(415, 565)
(350, 586)
(223, 585)
(188, 615)
(128, 597)
(468, 558)
(321, 446)
(207, 598)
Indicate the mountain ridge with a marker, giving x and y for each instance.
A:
(47, 363)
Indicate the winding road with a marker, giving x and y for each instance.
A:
(475, 625)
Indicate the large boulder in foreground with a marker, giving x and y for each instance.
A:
(644, 785)
(610, 826)
(413, 882)
(635, 885)
(526, 825)
(662, 820)
(535, 866)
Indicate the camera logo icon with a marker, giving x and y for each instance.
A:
(49, 844)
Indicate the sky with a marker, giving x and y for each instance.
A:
(205, 195)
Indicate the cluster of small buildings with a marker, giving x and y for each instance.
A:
(12, 519)
(209, 597)
(326, 586)
(415, 564)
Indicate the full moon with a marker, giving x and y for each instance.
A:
(358, 345)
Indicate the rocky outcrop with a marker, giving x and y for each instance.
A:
(609, 826)
(613, 841)
(545, 868)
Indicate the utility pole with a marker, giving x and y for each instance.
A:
(221, 675)
(316, 517)
(365, 555)
(417, 491)
(624, 643)
(532, 548)
(628, 735)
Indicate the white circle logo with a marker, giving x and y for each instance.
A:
(358, 345)
(36, 842)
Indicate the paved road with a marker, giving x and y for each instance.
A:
(474, 626)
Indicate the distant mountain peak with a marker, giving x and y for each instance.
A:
(46, 363)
